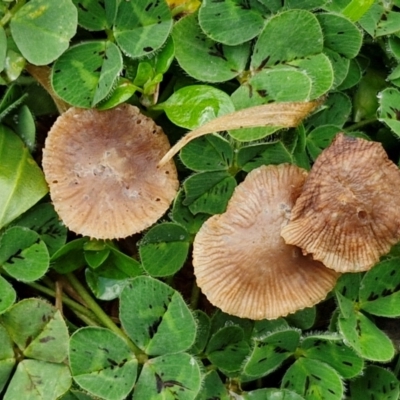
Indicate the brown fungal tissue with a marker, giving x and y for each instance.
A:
(101, 167)
(240, 260)
(348, 214)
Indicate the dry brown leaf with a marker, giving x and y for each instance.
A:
(284, 115)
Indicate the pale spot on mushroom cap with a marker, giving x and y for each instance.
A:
(241, 262)
(101, 167)
(348, 214)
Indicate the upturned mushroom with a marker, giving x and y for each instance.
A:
(101, 168)
(241, 262)
(348, 214)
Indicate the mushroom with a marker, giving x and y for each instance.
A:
(241, 262)
(348, 214)
(101, 167)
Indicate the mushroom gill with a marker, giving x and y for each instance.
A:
(348, 214)
(241, 262)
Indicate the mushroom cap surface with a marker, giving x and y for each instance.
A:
(241, 262)
(101, 167)
(348, 214)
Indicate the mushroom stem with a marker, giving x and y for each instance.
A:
(283, 115)
(42, 75)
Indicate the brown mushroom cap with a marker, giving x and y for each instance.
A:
(240, 260)
(348, 214)
(101, 167)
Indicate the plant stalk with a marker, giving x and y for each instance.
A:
(102, 316)
(42, 75)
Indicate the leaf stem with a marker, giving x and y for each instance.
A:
(195, 295)
(102, 316)
(42, 76)
(361, 124)
(66, 300)
(6, 18)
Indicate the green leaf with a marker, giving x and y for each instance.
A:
(75, 395)
(346, 292)
(207, 153)
(389, 110)
(357, 8)
(380, 289)
(164, 249)
(142, 26)
(14, 66)
(320, 138)
(319, 69)
(43, 219)
(69, 257)
(182, 215)
(336, 111)
(24, 126)
(299, 152)
(289, 35)
(213, 388)
(340, 65)
(379, 21)
(272, 394)
(193, 106)
(122, 92)
(7, 296)
(255, 155)
(208, 192)
(303, 319)
(108, 280)
(365, 337)
(204, 59)
(376, 383)
(102, 363)
(393, 44)
(91, 14)
(220, 320)
(243, 97)
(7, 357)
(38, 380)
(283, 84)
(11, 100)
(305, 4)
(23, 254)
(155, 317)
(270, 352)
(203, 324)
(331, 350)
(263, 328)
(171, 376)
(38, 329)
(96, 252)
(227, 349)
(22, 182)
(217, 19)
(86, 73)
(42, 30)
(313, 380)
(340, 34)
(353, 77)
(3, 48)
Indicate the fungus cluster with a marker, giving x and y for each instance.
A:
(241, 262)
(285, 238)
(101, 168)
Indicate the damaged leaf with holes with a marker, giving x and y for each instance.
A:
(86, 73)
(156, 317)
(102, 363)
